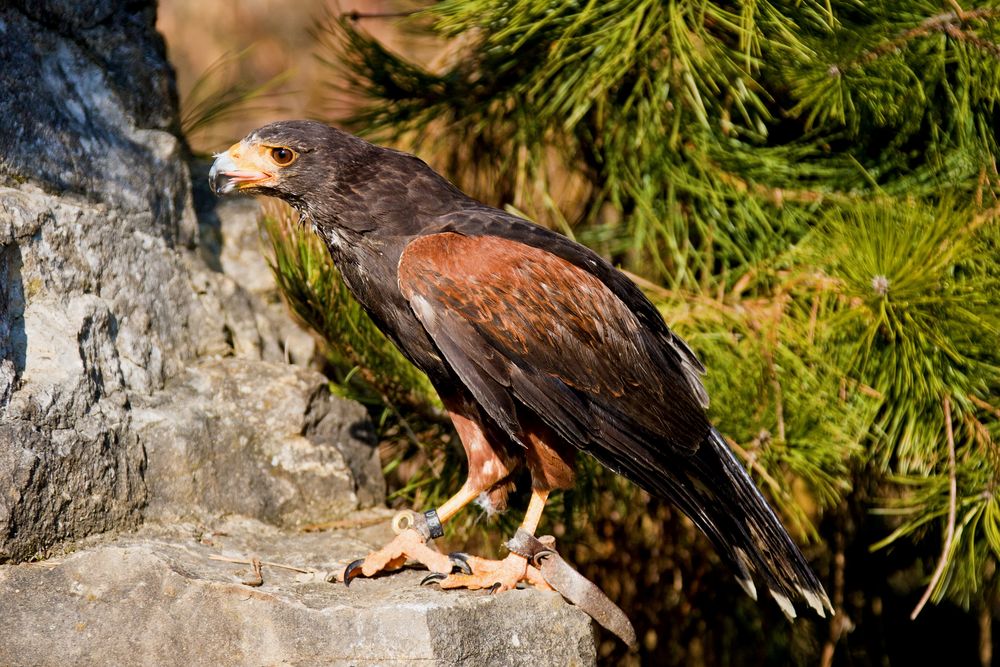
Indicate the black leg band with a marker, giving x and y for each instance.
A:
(434, 524)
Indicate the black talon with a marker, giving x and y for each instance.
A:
(433, 578)
(494, 587)
(352, 571)
(460, 562)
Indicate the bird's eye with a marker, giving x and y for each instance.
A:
(282, 156)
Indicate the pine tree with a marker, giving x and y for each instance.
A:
(809, 191)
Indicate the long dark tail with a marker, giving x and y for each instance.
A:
(714, 489)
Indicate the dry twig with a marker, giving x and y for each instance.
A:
(980, 403)
(244, 561)
(839, 622)
(950, 532)
(752, 461)
(355, 15)
(940, 23)
(985, 635)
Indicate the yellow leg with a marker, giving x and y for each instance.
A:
(411, 545)
(502, 575)
(535, 507)
(486, 468)
(465, 495)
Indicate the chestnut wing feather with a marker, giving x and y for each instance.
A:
(519, 325)
(481, 220)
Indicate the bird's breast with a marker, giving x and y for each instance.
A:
(369, 272)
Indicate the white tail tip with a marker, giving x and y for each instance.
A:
(747, 585)
(786, 605)
(814, 601)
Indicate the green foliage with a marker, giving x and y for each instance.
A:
(675, 110)
(976, 542)
(917, 316)
(795, 424)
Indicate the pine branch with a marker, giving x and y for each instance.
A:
(942, 23)
(989, 407)
(955, 32)
(832, 163)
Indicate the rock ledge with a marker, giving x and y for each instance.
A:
(156, 598)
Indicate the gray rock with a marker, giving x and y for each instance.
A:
(104, 292)
(264, 440)
(160, 600)
(89, 112)
(96, 309)
(96, 303)
(67, 458)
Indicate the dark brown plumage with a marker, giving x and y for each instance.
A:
(538, 347)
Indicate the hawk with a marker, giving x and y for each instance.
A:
(538, 347)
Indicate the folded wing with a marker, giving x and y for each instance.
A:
(520, 325)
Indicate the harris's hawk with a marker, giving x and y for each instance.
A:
(538, 347)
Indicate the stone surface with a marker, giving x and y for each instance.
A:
(96, 302)
(156, 598)
(89, 106)
(108, 288)
(265, 440)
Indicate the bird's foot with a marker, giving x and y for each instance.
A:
(495, 575)
(407, 545)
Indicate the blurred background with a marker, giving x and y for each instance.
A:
(807, 190)
(262, 60)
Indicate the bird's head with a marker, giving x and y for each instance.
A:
(287, 159)
(336, 180)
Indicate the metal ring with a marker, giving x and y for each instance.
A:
(402, 521)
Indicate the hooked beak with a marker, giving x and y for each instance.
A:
(237, 169)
